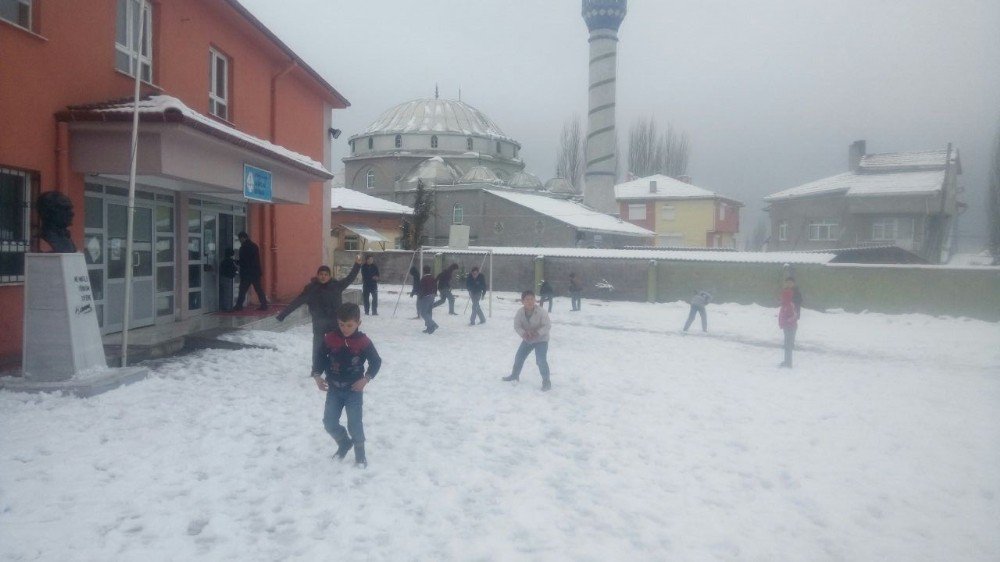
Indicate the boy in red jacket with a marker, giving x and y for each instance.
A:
(788, 317)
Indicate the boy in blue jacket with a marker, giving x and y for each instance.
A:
(346, 350)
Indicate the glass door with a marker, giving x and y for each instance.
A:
(210, 263)
(143, 289)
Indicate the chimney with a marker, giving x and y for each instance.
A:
(685, 179)
(652, 186)
(854, 155)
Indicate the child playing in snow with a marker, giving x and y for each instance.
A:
(532, 323)
(547, 293)
(788, 317)
(698, 304)
(346, 351)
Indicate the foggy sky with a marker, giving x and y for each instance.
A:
(771, 91)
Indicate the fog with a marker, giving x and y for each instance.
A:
(771, 92)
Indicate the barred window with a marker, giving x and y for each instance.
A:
(15, 222)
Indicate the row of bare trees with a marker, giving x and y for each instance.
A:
(650, 151)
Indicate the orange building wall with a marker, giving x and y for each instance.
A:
(69, 60)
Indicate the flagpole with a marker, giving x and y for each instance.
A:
(131, 183)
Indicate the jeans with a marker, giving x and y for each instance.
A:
(257, 287)
(477, 311)
(447, 296)
(789, 344)
(546, 300)
(575, 300)
(541, 350)
(697, 309)
(425, 305)
(337, 400)
(370, 294)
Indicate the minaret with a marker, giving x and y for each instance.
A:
(603, 18)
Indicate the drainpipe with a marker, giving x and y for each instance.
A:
(269, 210)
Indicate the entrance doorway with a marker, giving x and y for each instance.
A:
(211, 231)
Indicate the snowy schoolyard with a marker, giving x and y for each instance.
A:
(882, 444)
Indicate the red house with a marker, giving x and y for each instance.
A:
(221, 94)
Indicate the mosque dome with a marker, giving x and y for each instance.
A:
(559, 185)
(480, 174)
(434, 171)
(430, 116)
(525, 180)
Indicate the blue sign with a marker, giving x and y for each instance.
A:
(256, 184)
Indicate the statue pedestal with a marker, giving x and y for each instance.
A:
(63, 350)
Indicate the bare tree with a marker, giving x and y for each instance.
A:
(652, 152)
(994, 203)
(570, 163)
(413, 230)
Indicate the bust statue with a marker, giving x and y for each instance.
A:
(55, 211)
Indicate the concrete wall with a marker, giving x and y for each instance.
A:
(973, 293)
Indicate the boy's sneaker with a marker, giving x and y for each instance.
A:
(510, 378)
(546, 385)
(343, 449)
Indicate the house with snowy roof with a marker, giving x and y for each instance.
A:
(682, 215)
(359, 221)
(906, 199)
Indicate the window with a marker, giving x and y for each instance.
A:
(15, 223)
(370, 179)
(499, 148)
(783, 231)
(352, 146)
(371, 143)
(892, 229)
(399, 141)
(468, 143)
(218, 90)
(637, 211)
(668, 213)
(17, 12)
(824, 231)
(352, 243)
(127, 38)
(516, 150)
(434, 141)
(457, 214)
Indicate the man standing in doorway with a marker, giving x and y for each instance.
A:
(250, 272)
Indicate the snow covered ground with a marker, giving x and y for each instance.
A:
(882, 444)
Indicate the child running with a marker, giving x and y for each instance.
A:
(532, 323)
(346, 351)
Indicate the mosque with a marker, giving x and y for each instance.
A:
(478, 178)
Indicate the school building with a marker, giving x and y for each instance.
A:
(222, 98)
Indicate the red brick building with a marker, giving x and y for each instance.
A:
(221, 92)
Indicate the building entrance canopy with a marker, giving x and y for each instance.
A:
(368, 233)
(182, 150)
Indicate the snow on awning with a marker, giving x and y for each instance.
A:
(366, 232)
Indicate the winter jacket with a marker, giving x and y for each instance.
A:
(227, 268)
(369, 275)
(249, 260)
(537, 322)
(575, 285)
(476, 285)
(444, 278)
(416, 281)
(323, 300)
(788, 314)
(428, 286)
(701, 298)
(345, 357)
(546, 289)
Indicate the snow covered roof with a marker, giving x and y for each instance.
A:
(479, 174)
(351, 200)
(525, 180)
(573, 214)
(436, 116)
(366, 232)
(559, 185)
(777, 258)
(434, 171)
(172, 110)
(890, 173)
(666, 188)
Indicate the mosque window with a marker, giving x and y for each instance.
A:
(371, 143)
(399, 141)
(370, 179)
(499, 151)
(468, 143)
(457, 214)
(434, 141)
(352, 147)
(516, 150)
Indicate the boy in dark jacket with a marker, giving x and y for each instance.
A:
(547, 293)
(425, 302)
(369, 286)
(345, 352)
(323, 295)
(575, 290)
(476, 285)
(444, 288)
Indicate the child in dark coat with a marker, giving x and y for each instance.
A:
(346, 350)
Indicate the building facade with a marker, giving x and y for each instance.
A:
(362, 222)
(682, 215)
(220, 92)
(906, 199)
